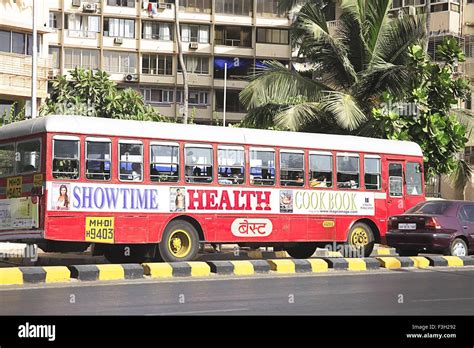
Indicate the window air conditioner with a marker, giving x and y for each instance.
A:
(130, 78)
(76, 3)
(118, 41)
(193, 45)
(89, 7)
(162, 6)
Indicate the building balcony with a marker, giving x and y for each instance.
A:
(81, 6)
(119, 42)
(195, 80)
(232, 83)
(120, 10)
(273, 51)
(469, 68)
(233, 51)
(157, 11)
(194, 17)
(158, 79)
(229, 19)
(15, 75)
(158, 46)
(282, 21)
(81, 38)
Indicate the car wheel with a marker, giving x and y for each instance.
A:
(458, 247)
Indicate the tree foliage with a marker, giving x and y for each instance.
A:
(350, 67)
(427, 117)
(89, 93)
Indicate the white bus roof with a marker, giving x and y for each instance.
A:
(96, 126)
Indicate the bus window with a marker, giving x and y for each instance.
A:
(320, 165)
(291, 168)
(27, 156)
(348, 171)
(262, 166)
(199, 163)
(395, 177)
(7, 159)
(65, 157)
(372, 173)
(413, 184)
(98, 159)
(131, 160)
(164, 162)
(231, 169)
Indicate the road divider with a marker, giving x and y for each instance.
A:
(101, 272)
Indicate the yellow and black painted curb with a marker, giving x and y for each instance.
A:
(51, 274)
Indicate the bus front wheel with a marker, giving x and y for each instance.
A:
(360, 241)
(180, 242)
(301, 250)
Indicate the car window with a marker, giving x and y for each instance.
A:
(435, 208)
(466, 213)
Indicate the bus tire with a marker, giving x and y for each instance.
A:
(180, 242)
(301, 250)
(360, 237)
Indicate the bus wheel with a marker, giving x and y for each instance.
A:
(360, 241)
(180, 242)
(301, 250)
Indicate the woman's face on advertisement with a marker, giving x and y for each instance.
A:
(63, 191)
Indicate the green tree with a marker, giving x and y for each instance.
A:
(89, 93)
(429, 119)
(350, 68)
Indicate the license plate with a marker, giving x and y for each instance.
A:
(100, 229)
(407, 226)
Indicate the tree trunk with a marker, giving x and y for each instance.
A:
(182, 64)
(428, 22)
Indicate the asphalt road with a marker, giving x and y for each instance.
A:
(435, 292)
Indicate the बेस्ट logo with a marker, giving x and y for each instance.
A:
(37, 331)
(251, 227)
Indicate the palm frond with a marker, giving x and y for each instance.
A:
(294, 117)
(262, 116)
(344, 109)
(349, 32)
(377, 22)
(461, 175)
(275, 84)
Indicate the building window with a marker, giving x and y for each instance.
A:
(262, 167)
(231, 169)
(164, 162)
(198, 98)
(196, 65)
(76, 57)
(121, 3)
(157, 31)
(154, 64)
(98, 159)
(237, 68)
(55, 20)
(233, 36)
(469, 155)
(120, 62)
(118, 27)
(65, 158)
(292, 168)
(269, 8)
(131, 160)
(7, 159)
(233, 103)
(348, 171)
(198, 6)
(55, 57)
(28, 158)
(320, 170)
(82, 26)
(469, 102)
(372, 173)
(195, 33)
(397, 3)
(199, 163)
(439, 7)
(234, 7)
(16, 42)
(158, 96)
(273, 36)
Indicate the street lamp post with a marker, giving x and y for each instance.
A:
(34, 63)
(225, 93)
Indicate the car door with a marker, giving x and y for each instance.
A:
(396, 194)
(466, 218)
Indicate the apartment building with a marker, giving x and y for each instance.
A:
(16, 42)
(135, 41)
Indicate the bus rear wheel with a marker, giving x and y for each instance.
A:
(180, 242)
(360, 241)
(301, 250)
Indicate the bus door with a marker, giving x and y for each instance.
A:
(395, 194)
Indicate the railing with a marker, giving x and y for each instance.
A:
(82, 34)
(233, 43)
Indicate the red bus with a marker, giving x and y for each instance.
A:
(136, 190)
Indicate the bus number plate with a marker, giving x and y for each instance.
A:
(407, 226)
(100, 229)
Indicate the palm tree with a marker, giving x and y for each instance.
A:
(365, 56)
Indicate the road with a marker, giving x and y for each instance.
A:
(421, 292)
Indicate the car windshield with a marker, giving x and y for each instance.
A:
(434, 208)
